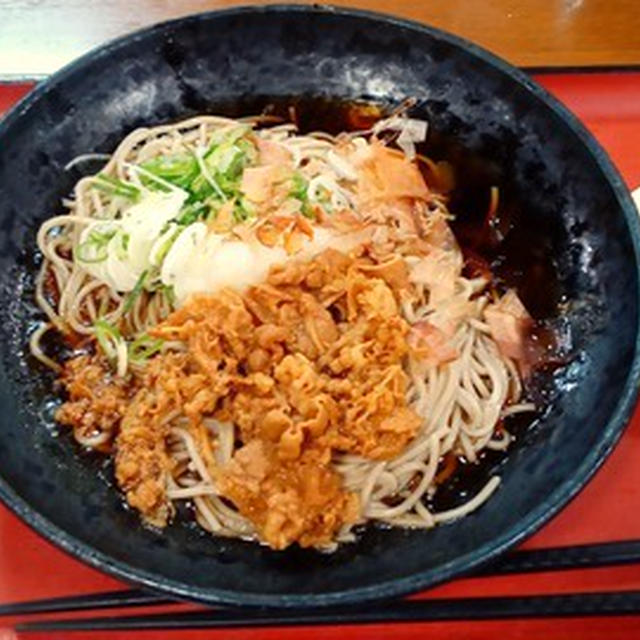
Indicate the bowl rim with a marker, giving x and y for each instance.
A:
(480, 556)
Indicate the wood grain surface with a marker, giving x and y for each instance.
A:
(39, 36)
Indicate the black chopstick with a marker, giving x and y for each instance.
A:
(526, 561)
(494, 608)
(581, 556)
(91, 601)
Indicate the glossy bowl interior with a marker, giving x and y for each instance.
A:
(237, 62)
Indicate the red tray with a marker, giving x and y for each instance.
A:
(30, 568)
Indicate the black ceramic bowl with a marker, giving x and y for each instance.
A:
(238, 61)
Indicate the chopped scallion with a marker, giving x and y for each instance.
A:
(299, 188)
(116, 187)
(108, 337)
(135, 292)
(143, 348)
(179, 170)
(94, 248)
(191, 213)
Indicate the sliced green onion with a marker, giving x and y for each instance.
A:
(228, 137)
(135, 292)
(108, 337)
(94, 248)
(116, 187)
(307, 210)
(300, 187)
(300, 191)
(249, 149)
(168, 237)
(220, 175)
(179, 170)
(243, 210)
(143, 348)
(122, 246)
(224, 157)
(222, 165)
(191, 213)
(168, 291)
(209, 177)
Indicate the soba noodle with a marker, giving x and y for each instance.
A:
(461, 402)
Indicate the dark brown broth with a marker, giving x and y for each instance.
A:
(518, 252)
(470, 477)
(516, 247)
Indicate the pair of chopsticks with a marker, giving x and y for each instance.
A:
(552, 606)
(540, 606)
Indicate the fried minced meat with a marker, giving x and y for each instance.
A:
(97, 400)
(142, 461)
(306, 364)
(299, 500)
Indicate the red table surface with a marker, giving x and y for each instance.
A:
(607, 509)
